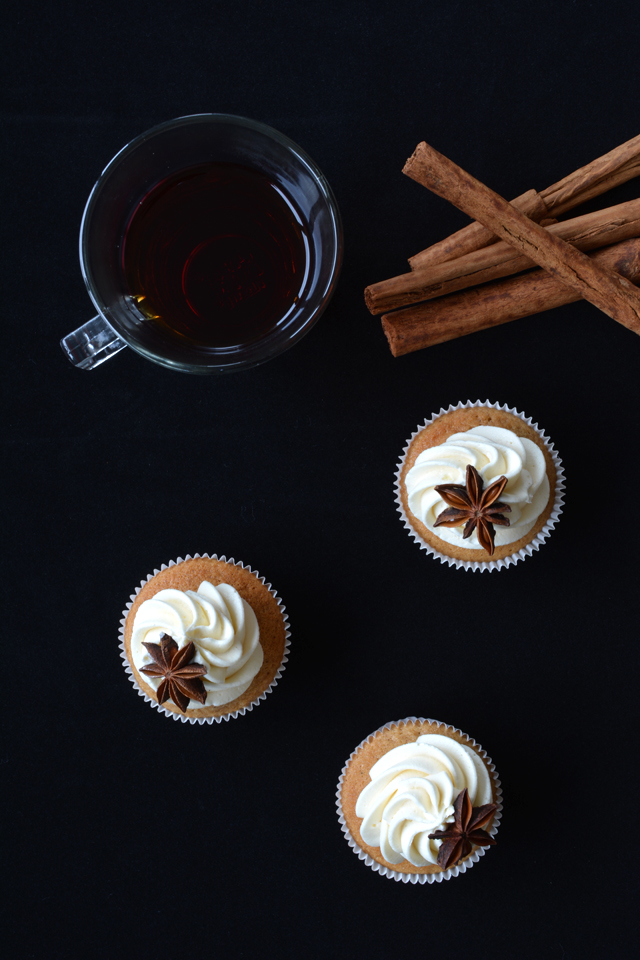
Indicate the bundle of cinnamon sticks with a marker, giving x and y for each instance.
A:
(508, 238)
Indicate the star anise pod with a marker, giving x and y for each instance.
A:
(465, 832)
(473, 507)
(180, 680)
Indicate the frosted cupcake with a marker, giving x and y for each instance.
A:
(204, 639)
(419, 801)
(479, 486)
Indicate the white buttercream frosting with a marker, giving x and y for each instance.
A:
(494, 452)
(223, 628)
(411, 794)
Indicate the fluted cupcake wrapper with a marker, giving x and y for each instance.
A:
(530, 547)
(232, 714)
(476, 852)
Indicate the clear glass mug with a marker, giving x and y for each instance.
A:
(146, 161)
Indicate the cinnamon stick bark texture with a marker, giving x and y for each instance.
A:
(608, 291)
(475, 236)
(589, 232)
(427, 324)
(618, 166)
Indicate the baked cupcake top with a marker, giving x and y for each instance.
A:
(412, 793)
(497, 443)
(419, 800)
(222, 629)
(215, 616)
(493, 452)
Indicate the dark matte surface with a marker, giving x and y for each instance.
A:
(133, 835)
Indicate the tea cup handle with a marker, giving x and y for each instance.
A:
(92, 343)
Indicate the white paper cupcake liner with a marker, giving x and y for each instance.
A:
(530, 547)
(475, 854)
(232, 714)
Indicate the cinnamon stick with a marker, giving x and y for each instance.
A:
(475, 236)
(593, 230)
(608, 291)
(459, 314)
(618, 166)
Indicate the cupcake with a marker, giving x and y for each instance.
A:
(479, 486)
(419, 801)
(204, 639)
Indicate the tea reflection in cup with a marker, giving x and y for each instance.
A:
(209, 244)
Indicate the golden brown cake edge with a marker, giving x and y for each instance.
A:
(188, 575)
(356, 778)
(458, 421)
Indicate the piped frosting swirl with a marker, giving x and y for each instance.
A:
(494, 452)
(412, 791)
(224, 631)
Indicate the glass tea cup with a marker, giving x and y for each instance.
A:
(172, 153)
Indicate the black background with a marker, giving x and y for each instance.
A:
(134, 835)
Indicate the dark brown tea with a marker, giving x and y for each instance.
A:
(216, 254)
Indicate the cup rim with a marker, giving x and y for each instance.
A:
(217, 366)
